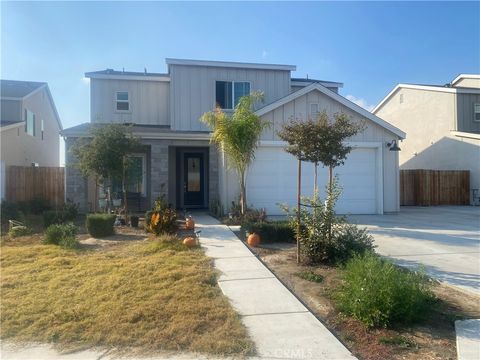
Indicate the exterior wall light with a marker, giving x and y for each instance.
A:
(393, 146)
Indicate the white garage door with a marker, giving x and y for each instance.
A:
(272, 180)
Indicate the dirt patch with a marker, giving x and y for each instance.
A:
(433, 339)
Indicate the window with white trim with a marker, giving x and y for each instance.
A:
(122, 101)
(228, 93)
(314, 111)
(476, 112)
(29, 122)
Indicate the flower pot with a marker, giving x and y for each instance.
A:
(134, 221)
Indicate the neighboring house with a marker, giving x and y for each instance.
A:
(443, 125)
(179, 162)
(30, 124)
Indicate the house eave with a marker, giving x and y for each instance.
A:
(230, 64)
(92, 75)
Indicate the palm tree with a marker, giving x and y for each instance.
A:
(238, 136)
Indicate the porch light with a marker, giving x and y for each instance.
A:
(393, 146)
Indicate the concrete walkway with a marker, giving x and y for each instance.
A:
(281, 326)
(468, 339)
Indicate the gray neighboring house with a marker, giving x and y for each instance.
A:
(178, 161)
(443, 125)
(30, 124)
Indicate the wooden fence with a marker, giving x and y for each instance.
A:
(434, 187)
(28, 183)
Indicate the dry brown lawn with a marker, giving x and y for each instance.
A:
(149, 295)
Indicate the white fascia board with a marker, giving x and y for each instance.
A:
(347, 103)
(452, 90)
(128, 77)
(465, 76)
(143, 135)
(230, 64)
(326, 84)
(12, 126)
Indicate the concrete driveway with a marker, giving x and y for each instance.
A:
(445, 239)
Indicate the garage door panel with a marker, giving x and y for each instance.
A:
(272, 180)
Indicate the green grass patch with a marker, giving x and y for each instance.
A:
(153, 295)
(309, 276)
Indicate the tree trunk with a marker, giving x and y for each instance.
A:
(109, 197)
(243, 193)
(330, 183)
(124, 189)
(299, 193)
(315, 180)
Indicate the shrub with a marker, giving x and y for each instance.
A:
(100, 225)
(251, 215)
(162, 221)
(378, 293)
(51, 217)
(10, 211)
(20, 230)
(34, 206)
(271, 232)
(70, 211)
(61, 234)
(349, 240)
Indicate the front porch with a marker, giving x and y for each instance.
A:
(184, 172)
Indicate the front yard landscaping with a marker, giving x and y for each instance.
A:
(152, 295)
(431, 338)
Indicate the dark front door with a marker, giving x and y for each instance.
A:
(193, 179)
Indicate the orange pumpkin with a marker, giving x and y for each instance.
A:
(253, 240)
(189, 223)
(190, 242)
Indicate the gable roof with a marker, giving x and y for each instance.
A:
(333, 95)
(307, 81)
(439, 88)
(465, 76)
(19, 90)
(15, 89)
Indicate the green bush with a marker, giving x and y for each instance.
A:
(378, 293)
(10, 211)
(61, 234)
(70, 211)
(34, 206)
(100, 225)
(19, 231)
(51, 217)
(271, 232)
(349, 240)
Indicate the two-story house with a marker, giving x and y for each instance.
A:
(179, 162)
(30, 124)
(442, 122)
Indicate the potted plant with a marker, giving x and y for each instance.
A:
(134, 221)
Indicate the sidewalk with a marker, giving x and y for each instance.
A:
(279, 324)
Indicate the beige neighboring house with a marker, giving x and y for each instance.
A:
(442, 123)
(30, 125)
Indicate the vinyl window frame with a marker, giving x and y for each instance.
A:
(122, 101)
(233, 91)
(26, 123)
(476, 110)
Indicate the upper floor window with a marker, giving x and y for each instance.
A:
(29, 122)
(476, 112)
(228, 93)
(314, 111)
(122, 101)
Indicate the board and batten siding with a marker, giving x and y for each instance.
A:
(299, 109)
(465, 116)
(149, 101)
(193, 90)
